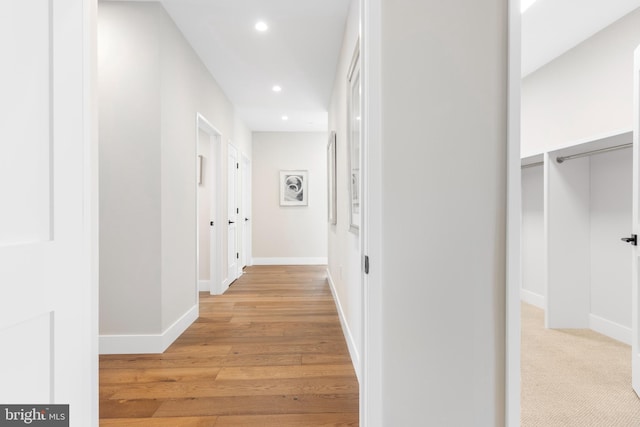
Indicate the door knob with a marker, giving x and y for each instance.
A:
(232, 222)
(633, 239)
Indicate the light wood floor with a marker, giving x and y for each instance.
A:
(270, 352)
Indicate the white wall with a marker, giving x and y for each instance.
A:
(584, 93)
(610, 207)
(130, 271)
(444, 141)
(344, 245)
(533, 242)
(152, 85)
(289, 234)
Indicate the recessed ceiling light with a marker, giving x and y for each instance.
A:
(525, 4)
(262, 26)
(277, 88)
(285, 118)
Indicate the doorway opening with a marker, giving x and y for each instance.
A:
(209, 191)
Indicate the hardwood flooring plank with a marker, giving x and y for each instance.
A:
(306, 420)
(327, 359)
(268, 348)
(225, 388)
(279, 372)
(160, 422)
(137, 408)
(263, 360)
(155, 375)
(169, 363)
(259, 405)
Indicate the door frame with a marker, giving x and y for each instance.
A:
(514, 222)
(215, 238)
(371, 385)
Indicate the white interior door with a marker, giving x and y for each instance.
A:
(246, 211)
(635, 295)
(48, 323)
(233, 257)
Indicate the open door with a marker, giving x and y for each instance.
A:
(635, 269)
(48, 215)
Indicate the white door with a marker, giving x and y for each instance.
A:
(246, 211)
(48, 220)
(233, 257)
(635, 295)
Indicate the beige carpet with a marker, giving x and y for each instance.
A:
(574, 377)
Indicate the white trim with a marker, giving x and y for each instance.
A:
(91, 192)
(611, 329)
(204, 285)
(348, 336)
(512, 325)
(150, 343)
(290, 261)
(371, 386)
(532, 298)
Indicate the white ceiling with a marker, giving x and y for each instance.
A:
(299, 52)
(552, 27)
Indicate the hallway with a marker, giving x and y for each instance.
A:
(269, 352)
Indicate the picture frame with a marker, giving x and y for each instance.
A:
(332, 180)
(294, 188)
(354, 141)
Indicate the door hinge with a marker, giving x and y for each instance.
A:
(366, 264)
(237, 210)
(237, 165)
(237, 255)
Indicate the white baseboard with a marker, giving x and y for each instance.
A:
(611, 329)
(204, 285)
(351, 343)
(532, 298)
(148, 344)
(290, 261)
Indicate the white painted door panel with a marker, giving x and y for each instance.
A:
(48, 324)
(232, 206)
(246, 211)
(635, 269)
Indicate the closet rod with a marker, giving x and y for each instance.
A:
(561, 159)
(530, 165)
